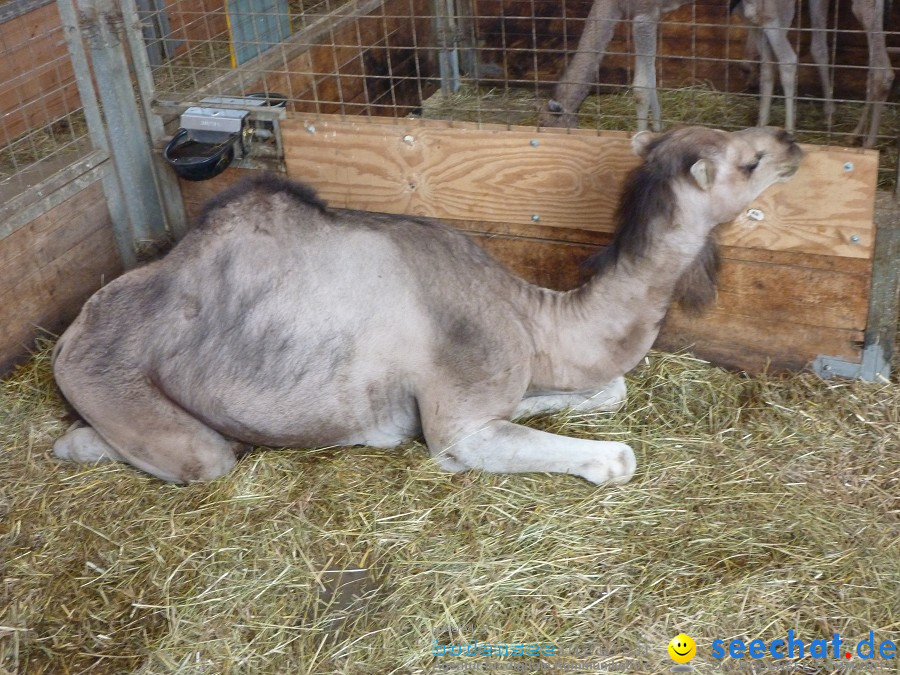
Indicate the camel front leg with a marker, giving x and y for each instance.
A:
(881, 74)
(608, 399)
(501, 446)
(776, 36)
(466, 426)
(575, 83)
(818, 46)
(766, 80)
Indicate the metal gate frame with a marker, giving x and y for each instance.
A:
(144, 200)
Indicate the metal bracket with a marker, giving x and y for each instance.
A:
(874, 367)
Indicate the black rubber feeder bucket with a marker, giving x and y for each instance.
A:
(200, 158)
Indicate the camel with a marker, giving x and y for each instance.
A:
(280, 322)
(770, 21)
(773, 18)
(573, 86)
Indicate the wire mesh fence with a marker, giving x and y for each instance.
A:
(485, 61)
(499, 61)
(42, 124)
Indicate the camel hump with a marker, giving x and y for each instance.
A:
(260, 189)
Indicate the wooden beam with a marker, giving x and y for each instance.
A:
(518, 175)
(51, 266)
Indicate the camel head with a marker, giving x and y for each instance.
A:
(713, 174)
(692, 180)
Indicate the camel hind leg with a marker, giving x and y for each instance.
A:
(131, 420)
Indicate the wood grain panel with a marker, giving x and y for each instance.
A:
(51, 266)
(461, 171)
(756, 345)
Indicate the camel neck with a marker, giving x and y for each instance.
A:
(604, 328)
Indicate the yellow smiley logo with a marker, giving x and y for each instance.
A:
(682, 648)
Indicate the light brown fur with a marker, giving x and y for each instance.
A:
(280, 322)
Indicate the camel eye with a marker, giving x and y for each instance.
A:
(751, 167)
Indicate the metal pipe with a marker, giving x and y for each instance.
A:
(122, 227)
(101, 25)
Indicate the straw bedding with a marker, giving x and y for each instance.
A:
(760, 505)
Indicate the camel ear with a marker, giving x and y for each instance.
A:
(704, 172)
(640, 142)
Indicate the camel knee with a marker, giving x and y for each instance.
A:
(190, 460)
(553, 114)
(610, 398)
(448, 461)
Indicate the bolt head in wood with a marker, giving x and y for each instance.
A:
(756, 214)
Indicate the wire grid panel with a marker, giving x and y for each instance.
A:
(500, 61)
(42, 124)
(357, 57)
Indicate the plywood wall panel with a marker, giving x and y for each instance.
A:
(51, 266)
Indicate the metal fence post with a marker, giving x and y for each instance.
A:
(111, 189)
(444, 17)
(100, 22)
(166, 180)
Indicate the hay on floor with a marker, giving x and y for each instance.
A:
(760, 505)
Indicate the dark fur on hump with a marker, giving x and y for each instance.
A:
(648, 201)
(264, 185)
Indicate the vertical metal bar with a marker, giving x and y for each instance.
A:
(167, 186)
(170, 46)
(122, 230)
(101, 26)
(150, 29)
(897, 176)
(468, 55)
(447, 55)
(884, 298)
